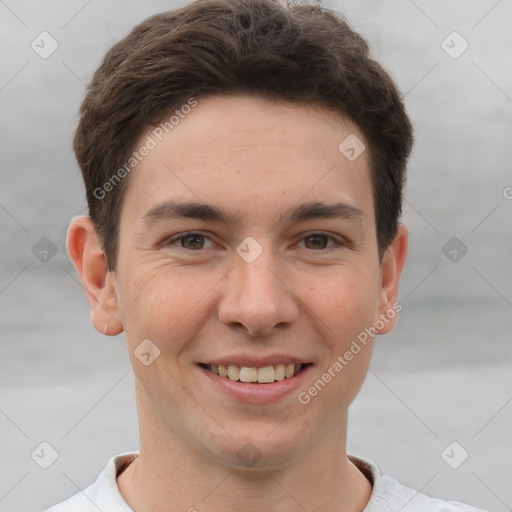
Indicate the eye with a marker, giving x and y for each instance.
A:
(189, 241)
(192, 242)
(316, 241)
(320, 241)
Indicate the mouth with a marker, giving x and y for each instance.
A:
(256, 375)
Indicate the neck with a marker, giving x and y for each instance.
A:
(168, 470)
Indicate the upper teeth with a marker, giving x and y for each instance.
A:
(263, 375)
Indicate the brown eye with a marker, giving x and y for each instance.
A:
(316, 241)
(193, 242)
(189, 241)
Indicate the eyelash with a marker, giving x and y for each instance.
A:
(338, 242)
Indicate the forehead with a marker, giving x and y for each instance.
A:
(252, 154)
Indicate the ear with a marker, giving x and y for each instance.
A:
(90, 262)
(392, 264)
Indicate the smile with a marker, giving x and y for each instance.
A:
(262, 375)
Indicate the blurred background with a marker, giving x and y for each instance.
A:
(436, 409)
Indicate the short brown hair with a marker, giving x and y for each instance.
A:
(293, 52)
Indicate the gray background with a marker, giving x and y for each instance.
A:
(443, 375)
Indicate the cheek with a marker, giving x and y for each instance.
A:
(346, 309)
(163, 304)
(345, 301)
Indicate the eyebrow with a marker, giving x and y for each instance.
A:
(318, 210)
(192, 210)
(168, 210)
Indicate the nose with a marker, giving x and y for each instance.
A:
(256, 298)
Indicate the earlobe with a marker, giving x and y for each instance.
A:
(87, 255)
(392, 264)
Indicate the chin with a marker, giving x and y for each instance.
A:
(258, 449)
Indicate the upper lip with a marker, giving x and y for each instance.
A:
(256, 362)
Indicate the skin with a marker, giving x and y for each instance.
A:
(306, 297)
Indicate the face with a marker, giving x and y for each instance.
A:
(247, 240)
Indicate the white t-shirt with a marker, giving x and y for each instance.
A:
(388, 494)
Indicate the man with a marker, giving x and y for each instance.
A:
(244, 163)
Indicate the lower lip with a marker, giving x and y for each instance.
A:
(253, 393)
